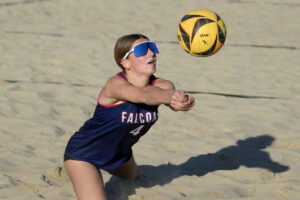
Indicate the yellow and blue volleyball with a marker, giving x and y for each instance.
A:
(201, 33)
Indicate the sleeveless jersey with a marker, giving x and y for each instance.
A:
(106, 139)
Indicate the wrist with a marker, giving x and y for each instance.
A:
(170, 96)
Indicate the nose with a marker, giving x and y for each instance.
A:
(150, 52)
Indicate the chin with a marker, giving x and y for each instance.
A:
(151, 69)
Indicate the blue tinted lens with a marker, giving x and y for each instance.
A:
(153, 47)
(142, 49)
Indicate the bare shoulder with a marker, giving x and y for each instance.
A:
(164, 84)
(115, 80)
(113, 84)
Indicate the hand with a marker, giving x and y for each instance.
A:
(181, 102)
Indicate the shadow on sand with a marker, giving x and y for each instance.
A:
(246, 152)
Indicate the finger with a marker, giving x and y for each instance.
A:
(187, 103)
(181, 95)
(191, 100)
(186, 98)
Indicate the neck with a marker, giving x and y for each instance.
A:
(138, 80)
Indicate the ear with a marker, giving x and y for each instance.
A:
(125, 63)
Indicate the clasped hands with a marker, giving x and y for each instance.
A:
(181, 101)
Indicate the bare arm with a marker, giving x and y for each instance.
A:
(117, 89)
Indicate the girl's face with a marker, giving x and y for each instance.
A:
(145, 64)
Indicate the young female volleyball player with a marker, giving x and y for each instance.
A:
(126, 109)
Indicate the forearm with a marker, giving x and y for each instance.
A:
(152, 95)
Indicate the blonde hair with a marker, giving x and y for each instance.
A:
(123, 45)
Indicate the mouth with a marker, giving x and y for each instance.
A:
(152, 61)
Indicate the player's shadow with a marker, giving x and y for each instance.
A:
(248, 152)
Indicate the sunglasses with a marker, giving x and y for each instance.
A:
(141, 49)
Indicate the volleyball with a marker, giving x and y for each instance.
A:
(201, 33)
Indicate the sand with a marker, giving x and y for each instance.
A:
(241, 141)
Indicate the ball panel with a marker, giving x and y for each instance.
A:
(205, 13)
(183, 38)
(209, 51)
(221, 35)
(217, 48)
(186, 17)
(222, 27)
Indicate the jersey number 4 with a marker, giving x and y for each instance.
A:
(137, 130)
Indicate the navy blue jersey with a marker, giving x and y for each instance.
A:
(106, 139)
